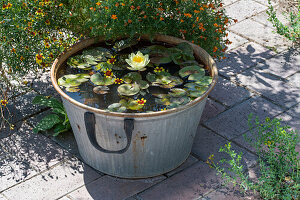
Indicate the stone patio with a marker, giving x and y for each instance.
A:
(260, 76)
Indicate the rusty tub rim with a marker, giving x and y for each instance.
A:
(161, 38)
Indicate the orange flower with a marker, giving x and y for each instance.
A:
(98, 3)
(13, 50)
(201, 8)
(61, 4)
(114, 17)
(181, 20)
(117, 4)
(106, 7)
(161, 19)
(216, 25)
(235, 20)
(188, 15)
(196, 11)
(145, 16)
(123, 4)
(215, 49)
(129, 21)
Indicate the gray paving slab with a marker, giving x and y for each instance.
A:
(66, 140)
(35, 149)
(2, 197)
(7, 130)
(211, 109)
(244, 9)
(242, 58)
(42, 85)
(207, 143)
(269, 86)
(228, 2)
(294, 80)
(265, 2)
(13, 170)
(236, 41)
(262, 34)
(229, 93)
(55, 183)
(283, 65)
(111, 188)
(263, 19)
(191, 183)
(234, 121)
(21, 107)
(189, 162)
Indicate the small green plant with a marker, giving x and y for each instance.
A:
(58, 120)
(278, 161)
(290, 31)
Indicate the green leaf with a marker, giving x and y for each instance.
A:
(49, 102)
(60, 128)
(47, 123)
(97, 79)
(132, 77)
(191, 70)
(128, 89)
(186, 48)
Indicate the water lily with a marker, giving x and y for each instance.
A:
(138, 61)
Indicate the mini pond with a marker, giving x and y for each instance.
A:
(133, 76)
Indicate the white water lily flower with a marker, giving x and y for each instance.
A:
(138, 61)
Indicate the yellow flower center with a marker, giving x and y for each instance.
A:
(138, 59)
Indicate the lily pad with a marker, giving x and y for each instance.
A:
(131, 104)
(72, 89)
(73, 80)
(128, 89)
(163, 101)
(195, 90)
(101, 89)
(180, 100)
(161, 96)
(161, 59)
(206, 80)
(151, 77)
(175, 81)
(97, 79)
(90, 60)
(191, 70)
(132, 77)
(99, 53)
(116, 107)
(142, 84)
(177, 92)
(75, 60)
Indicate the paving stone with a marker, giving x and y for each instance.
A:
(2, 197)
(240, 59)
(229, 93)
(42, 84)
(65, 198)
(7, 131)
(226, 193)
(191, 183)
(236, 40)
(292, 118)
(269, 86)
(54, 183)
(35, 149)
(234, 122)
(242, 140)
(228, 2)
(265, 2)
(108, 188)
(189, 161)
(283, 65)
(211, 109)
(207, 143)
(13, 171)
(22, 106)
(262, 34)
(244, 9)
(65, 140)
(263, 18)
(294, 80)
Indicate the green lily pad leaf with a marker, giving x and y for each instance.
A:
(177, 92)
(97, 79)
(133, 105)
(103, 66)
(190, 70)
(72, 89)
(151, 77)
(186, 48)
(99, 53)
(180, 100)
(196, 77)
(73, 80)
(190, 63)
(163, 73)
(142, 84)
(175, 81)
(101, 89)
(161, 59)
(75, 60)
(84, 66)
(206, 80)
(128, 89)
(90, 60)
(195, 90)
(163, 101)
(156, 49)
(132, 77)
(116, 107)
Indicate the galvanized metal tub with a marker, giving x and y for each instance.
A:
(133, 145)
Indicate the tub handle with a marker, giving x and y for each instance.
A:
(89, 119)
